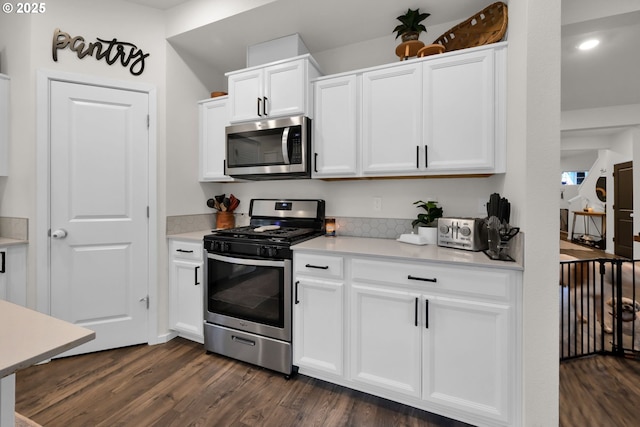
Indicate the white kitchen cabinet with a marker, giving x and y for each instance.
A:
(335, 127)
(392, 120)
(186, 289)
(13, 274)
(213, 117)
(467, 355)
(319, 325)
(433, 116)
(460, 125)
(275, 90)
(440, 337)
(385, 338)
(4, 124)
(318, 315)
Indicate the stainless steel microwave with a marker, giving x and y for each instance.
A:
(269, 149)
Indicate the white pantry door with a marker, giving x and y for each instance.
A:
(98, 208)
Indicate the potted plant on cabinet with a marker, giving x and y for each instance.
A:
(427, 222)
(411, 27)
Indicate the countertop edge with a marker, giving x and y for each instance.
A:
(390, 248)
(191, 235)
(6, 241)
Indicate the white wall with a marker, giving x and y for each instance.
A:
(533, 164)
(26, 46)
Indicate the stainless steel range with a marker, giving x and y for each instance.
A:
(248, 276)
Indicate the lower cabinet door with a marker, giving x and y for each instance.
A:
(186, 311)
(318, 325)
(466, 356)
(385, 338)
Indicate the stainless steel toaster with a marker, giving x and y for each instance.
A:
(463, 233)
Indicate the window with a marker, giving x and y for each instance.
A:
(573, 178)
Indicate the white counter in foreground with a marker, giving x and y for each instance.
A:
(26, 338)
(395, 249)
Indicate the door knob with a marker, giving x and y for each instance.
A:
(60, 233)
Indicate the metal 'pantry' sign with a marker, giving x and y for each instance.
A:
(111, 51)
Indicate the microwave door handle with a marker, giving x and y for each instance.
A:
(285, 145)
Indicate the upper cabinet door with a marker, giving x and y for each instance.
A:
(285, 89)
(246, 90)
(4, 125)
(277, 90)
(459, 113)
(392, 120)
(335, 127)
(214, 117)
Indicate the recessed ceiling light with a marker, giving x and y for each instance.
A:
(588, 44)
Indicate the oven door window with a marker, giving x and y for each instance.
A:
(253, 291)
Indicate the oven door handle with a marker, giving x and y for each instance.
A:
(245, 261)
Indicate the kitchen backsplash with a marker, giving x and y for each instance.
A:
(385, 228)
(14, 228)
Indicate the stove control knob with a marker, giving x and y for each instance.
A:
(444, 229)
(268, 251)
(465, 231)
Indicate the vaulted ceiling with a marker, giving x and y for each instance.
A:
(608, 75)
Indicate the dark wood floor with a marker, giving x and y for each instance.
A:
(178, 384)
(600, 391)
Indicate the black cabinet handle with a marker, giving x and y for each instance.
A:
(183, 251)
(258, 107)
(196, 283)
(296, 300)
(415, 321)
(3, 269)
(315, 162)
(417, 157)
(426, 156)
(423, 279)
(320, 267)
(264, 106)
(426, 313)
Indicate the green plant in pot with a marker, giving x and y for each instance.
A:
(411, 27)
(428, 219)
(427, 222)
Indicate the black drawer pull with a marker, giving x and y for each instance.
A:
(424, 279)
(183, 251)
(319, 267)
(426, 314)
(296, 300)
(196, 279)
(415, 321)
(4, 262)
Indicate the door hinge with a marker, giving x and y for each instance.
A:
(147, 211)
(146, 300)
(148, 121)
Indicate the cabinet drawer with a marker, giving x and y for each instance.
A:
(186, 250)
(318, 265)
(492, 283)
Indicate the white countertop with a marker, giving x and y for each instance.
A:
(28, 337)
(5, 241)
(193, 235)
(394, 249)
